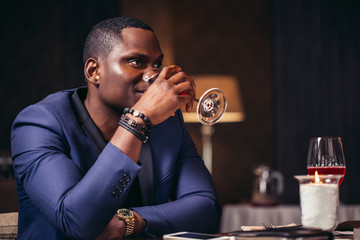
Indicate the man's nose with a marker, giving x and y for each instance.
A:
(151, 74)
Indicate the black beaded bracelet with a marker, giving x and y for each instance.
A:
(133, 130)
(142, 116)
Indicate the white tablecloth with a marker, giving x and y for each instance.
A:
(237, 215)
(8, 219)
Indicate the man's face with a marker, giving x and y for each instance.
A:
(121, 72)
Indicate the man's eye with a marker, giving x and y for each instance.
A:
(158, 65)
(136, 62)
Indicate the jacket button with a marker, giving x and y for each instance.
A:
(115, 195)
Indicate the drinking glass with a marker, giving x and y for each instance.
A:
(210, 107)
(326, 156)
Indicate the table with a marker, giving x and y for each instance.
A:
(237, 215)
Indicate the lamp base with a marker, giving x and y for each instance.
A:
(207, 132)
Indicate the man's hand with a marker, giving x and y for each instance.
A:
(163, 97)
(116, 229)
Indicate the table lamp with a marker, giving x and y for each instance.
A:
(234, 112)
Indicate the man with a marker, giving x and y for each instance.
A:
(82, 168)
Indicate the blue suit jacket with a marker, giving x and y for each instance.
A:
(65, 185)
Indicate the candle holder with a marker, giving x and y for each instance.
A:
(319, 201)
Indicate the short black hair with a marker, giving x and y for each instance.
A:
(106, 34)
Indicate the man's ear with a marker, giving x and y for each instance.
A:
(91, 71)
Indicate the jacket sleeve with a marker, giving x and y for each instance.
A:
(78, 203)
(193, 205)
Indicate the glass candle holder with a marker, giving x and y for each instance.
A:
(319, 201)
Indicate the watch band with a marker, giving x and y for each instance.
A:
(127, 216)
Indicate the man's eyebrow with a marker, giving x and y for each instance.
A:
(137, 54)
(141, 55)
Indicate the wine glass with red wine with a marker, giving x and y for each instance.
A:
(211, 105)
(326, 156)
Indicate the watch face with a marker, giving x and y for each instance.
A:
(125, 212)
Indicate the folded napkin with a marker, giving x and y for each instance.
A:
(257, 228)
(348, 225)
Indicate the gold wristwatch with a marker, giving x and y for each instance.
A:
(127, 216)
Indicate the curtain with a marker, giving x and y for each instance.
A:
(316, 84)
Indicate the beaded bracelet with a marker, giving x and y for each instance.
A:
(136, 113)
(133, 128)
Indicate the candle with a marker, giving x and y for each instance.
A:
(319, 201)
(319, 205)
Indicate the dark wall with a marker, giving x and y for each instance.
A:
(231, 37)
(316, 59)
(41, 45)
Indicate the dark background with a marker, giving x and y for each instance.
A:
(316, 60)
(297, 64)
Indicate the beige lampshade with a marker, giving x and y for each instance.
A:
(229, 85)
